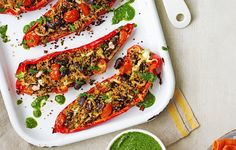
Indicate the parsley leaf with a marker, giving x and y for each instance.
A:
(20, 75)
(165, 48)
(93, 68)
(148, 76)
(33, 71)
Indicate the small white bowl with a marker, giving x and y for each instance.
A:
(136, 130)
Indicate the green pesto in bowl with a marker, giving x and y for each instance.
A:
(135, 141)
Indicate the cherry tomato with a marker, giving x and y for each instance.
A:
(61, 90)
(85, 9)
(32, 39)
(102, 64)
(123, 36)
(55, 72)
(107, 110)
(156, 65)
(71, 16)
(27, 2)
(126, 67)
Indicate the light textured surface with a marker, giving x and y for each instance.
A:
(203, 56)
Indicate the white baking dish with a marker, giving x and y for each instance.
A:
(148, 34)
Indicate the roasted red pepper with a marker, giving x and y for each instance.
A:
(20, 6)
(55, 70)
(65, 18)
(99, 102)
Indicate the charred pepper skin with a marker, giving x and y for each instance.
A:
(155, 68)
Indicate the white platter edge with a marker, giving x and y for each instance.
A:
(13, 117)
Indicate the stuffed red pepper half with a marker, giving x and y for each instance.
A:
(15, 7)
(64, 18)
(58, 71)
(113, 96)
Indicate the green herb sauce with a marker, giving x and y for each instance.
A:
(60, 99)
(30, 123)
(19, 101)
(3, 33)
(148, 101)
(135, 141)
(37, 104)
(124, 12)
(37, 113)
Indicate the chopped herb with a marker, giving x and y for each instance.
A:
(26, 28)
(19, 4)
(165, 48)
(24, 44)
(104, 46)
(148, 76)
(136, 91)
(2, 9)
(93, 68)
(83, 94)
(62, 68)
(33, 71)
(96, 6)
(72, 27)
(20, 75)
(104, 97)
(62, 42)
(124, 12)
(32, 23)
(19, 101)
(60, 99)
(148, 101)
(91, 96)
(37, 113)
(30, 123)
(80, 82)
(3, 33)
(47, 70)
(41, 20)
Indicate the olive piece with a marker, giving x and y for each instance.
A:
(114, 40)
(89, 1)
(63, 62)
(64, 71)
(50, 25)
(142, 66)
(100, 106)
(88, 107)
(79, 84)
(125, 77)
(119, 63)
(81, 100)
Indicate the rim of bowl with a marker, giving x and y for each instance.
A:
(136, 130)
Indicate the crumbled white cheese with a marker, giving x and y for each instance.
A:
(36, 87)
(111, 45)
(39, 74)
